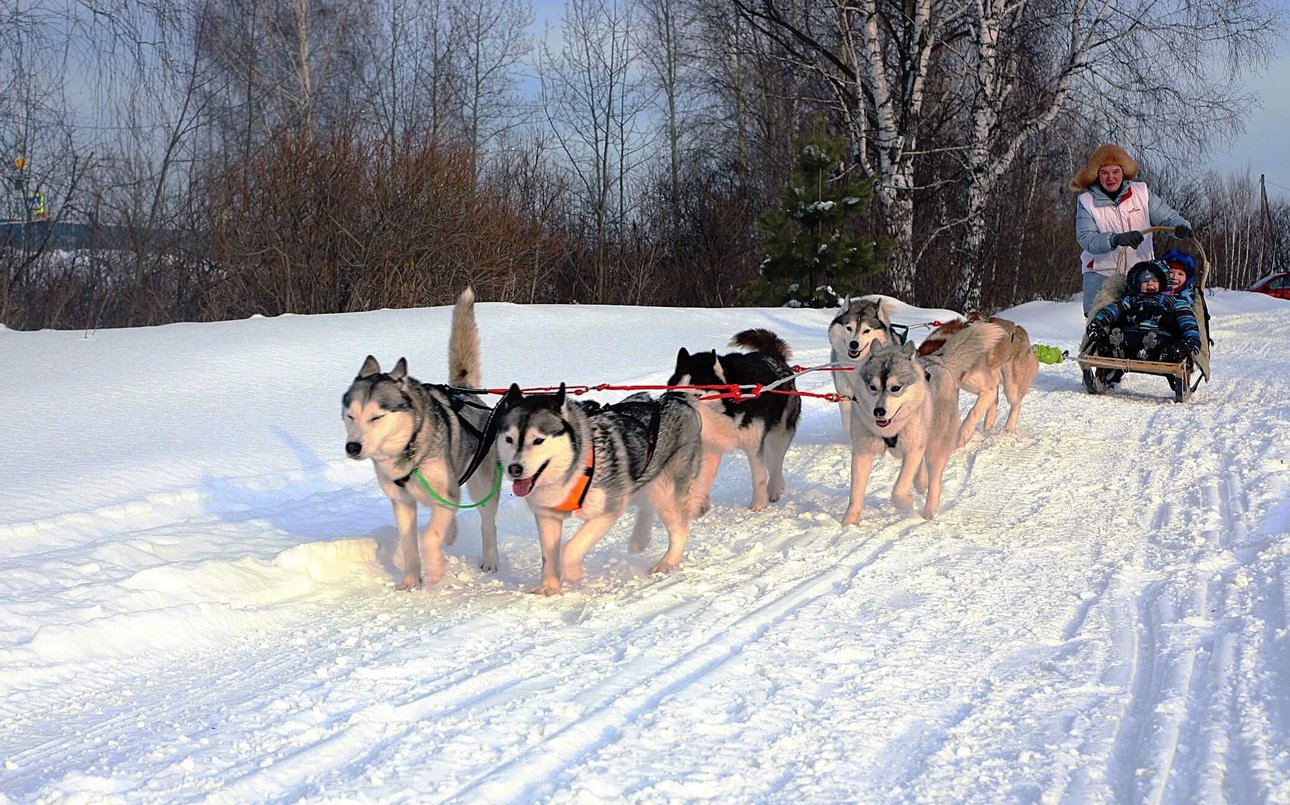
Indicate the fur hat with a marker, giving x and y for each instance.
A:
(1106, 154)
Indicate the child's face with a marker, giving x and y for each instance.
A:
(1149, 285)
(1176, 277)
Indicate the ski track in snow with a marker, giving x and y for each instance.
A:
(1112, 641)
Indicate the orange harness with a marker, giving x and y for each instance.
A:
(579, 492)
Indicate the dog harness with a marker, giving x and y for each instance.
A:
(583, 485)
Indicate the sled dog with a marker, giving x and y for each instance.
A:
(763, 426)
(567, 457)
(910, 405)
(1011, 364)
(860, 324)
(422, 437)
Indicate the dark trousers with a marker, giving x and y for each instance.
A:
(1141, 345)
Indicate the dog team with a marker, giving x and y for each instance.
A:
(661, 454)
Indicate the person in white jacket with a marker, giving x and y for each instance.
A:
(1110, 213)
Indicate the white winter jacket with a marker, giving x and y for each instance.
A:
(1098, 217)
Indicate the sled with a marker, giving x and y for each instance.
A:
(1189, 371)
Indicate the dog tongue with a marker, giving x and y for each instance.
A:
(882, 423)
(522, 486)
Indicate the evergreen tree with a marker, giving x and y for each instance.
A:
(813, 256)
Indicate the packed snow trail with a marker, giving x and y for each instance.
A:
(1096, 614)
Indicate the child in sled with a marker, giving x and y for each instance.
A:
(1182, 275)
(1146, 324)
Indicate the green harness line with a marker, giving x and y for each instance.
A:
(438, 499)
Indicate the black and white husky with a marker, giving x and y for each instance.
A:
(859, 325)
(578, 458)
(421, 439)
(910, 405)
(763, 427)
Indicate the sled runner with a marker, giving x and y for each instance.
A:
(1185, 375)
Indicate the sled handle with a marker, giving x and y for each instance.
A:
(1203, 274)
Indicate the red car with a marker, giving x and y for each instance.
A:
(1276, 284)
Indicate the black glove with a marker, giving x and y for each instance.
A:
(1132, 239)
(1193, 346)
(1096, 332)
(1183, 231)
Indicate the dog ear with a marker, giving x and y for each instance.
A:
(559, 398)
(370, 367)
(513, 394)
(910, 349)
(682, 355)
(717, 368)
(885, 306)
(400, 370)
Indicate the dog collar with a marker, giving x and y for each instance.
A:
(579, 492)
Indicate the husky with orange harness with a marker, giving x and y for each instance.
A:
(579, 458)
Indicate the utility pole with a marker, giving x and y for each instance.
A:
(1263, 226)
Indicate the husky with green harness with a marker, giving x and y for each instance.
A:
(425, 442)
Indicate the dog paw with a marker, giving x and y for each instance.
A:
(665, 565)
(758, 505)
(851, 518)
(489, 564)
(547, 588)
(929, 514)
(408, 584)
(571, 572)
(902, 500)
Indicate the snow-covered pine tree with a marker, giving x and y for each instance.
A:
(813, 256)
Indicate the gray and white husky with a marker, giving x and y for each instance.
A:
(566, 457)
(421, 438)
(859, 325)
(763, 426)
(910, 405)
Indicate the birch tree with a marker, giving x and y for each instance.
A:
(1011, 69)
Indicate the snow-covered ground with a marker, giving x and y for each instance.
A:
(196, 588)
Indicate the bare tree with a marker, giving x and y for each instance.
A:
(594, 105)
(493, 41)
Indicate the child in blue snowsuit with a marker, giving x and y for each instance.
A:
(1147, 324)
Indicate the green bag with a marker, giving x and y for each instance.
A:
(1047, 354)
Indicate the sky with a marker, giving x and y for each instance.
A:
(197, 594)
(1262, 148)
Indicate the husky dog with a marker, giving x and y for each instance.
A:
(1011, 364)
(763, 427)
(910, 405)
(423, 437)
(566, 457)
(858, 326)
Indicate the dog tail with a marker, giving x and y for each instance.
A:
(463, 344)
(965, 347)
(762, 340)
